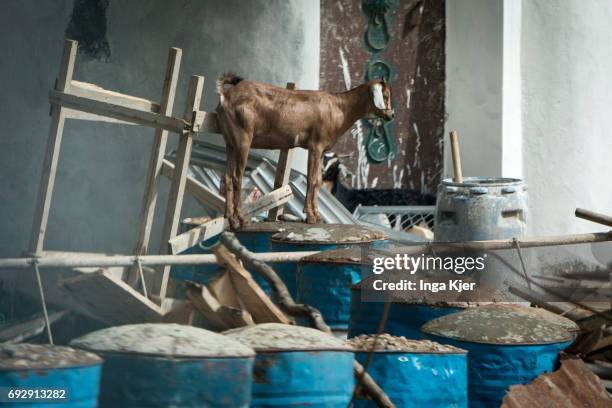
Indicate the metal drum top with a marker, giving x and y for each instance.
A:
(300, 233)
(162, 339)
(355, 255)
(271, 337)
(265, 226)
(503, 324)
(15, 357)
(386, 343)
(469, 182)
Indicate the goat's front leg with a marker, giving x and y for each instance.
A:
(314, 170)
(242, 155)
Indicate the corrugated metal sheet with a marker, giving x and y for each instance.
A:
(573, 385)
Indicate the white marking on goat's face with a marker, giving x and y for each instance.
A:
(377, 93)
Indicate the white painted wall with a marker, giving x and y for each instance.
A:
(567, 108)
(528, 85)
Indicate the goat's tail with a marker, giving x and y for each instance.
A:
(226, 78)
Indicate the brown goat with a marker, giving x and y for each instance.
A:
(252, 114)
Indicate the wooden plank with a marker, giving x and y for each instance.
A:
(145, 118)
(85, 116)
(91, 91)
(223, 289)
(111, 300)
(273, 200)
(198, 190)
(178, 311)
(27, 329)
(206, 122)
(54, 141)
(196, 235)
(158, 150)
(252, 296)
(220, 317)
(216, 226)
(283, 172)
(177, 188)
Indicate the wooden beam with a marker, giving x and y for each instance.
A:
(145, 118)
(219, 316)
(198, 234)
(216, 226)
(54, 141)
(206, 122)
(252, 296)
(86, 116)
(111, 300)
(91, 91)
(283, 172)
(149, 199)
(198, 190)
(177, 188)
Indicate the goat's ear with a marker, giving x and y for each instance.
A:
(377, 95)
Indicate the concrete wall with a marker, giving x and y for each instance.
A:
(528, 90)
(102, 166)
(566, 66)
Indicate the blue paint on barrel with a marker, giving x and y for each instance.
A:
(404, 319)
(143, 381)
(162, 365)
(327, 287)
(197, 273)
(294, 379)
(47, 367)
(481, 209)
(418, 379)
(317, 237)
(297, 366)
(506, 344)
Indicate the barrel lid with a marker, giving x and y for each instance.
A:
(481, 295)
(269, 337)
(483, 182)
(265, 226)
(43, 356)
(504, 324)
(386, 343)
(301, 233)
(350, 255)
(162, 339)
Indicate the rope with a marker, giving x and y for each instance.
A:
(42, 301)
(518, 250)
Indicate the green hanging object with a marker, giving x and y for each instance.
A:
(378, 141)
(377, 34)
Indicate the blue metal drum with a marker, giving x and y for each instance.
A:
(481, 209)
(73, 374)
(170, 365)
(408, 311)
(414, 373)
(317, 237)
(324, 281)
(507, 345)
(297, 366)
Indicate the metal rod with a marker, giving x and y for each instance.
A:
(77, 260)
(594, 217)
(43, 303)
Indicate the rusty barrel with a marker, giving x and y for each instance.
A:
(409, 310)
(413, 373)
(162, 365)
(481, 209)
(318, 237)
(48, 376)
(507, 344)
(297, 366)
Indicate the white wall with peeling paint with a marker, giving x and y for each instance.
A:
(528, 84)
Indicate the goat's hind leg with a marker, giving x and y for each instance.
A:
(314, 170)
(242, 155)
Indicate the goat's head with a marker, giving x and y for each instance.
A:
(380, 105)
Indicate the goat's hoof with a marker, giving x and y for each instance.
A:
(311, 219)
(244, 220)
(234, 223)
